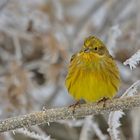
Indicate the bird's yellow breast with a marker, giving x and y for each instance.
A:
(91, 77)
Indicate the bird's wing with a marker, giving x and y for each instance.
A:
(73, 56)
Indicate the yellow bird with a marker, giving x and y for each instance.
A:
(93, 73)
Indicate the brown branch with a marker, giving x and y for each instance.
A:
(52, 115)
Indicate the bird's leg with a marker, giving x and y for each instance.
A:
(77, 104)
(103, 100)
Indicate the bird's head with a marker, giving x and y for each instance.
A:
(95, 46)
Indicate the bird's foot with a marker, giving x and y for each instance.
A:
(77, 104)
(103, 100)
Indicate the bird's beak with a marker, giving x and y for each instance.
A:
(86, 50)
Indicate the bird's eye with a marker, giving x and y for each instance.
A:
(95, 48)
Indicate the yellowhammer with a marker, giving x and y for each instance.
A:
(93, 74)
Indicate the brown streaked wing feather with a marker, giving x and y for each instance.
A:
(73, 56)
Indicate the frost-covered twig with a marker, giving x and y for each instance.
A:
(134, 60)
(52, 115)
(98, 132)
(132, 90)
(86, 132)
(114, 117)
(114, 123)
(91, 127)
(32, 134)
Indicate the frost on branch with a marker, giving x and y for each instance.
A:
(134, 60)
(32, 134)
(114, 123)
(89, 128)
(114, 116)
(133, 89)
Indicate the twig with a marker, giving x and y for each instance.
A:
(52, 115)
(32, 134)
(21, 35)
(18, 53)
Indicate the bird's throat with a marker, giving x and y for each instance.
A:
(89, 60)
